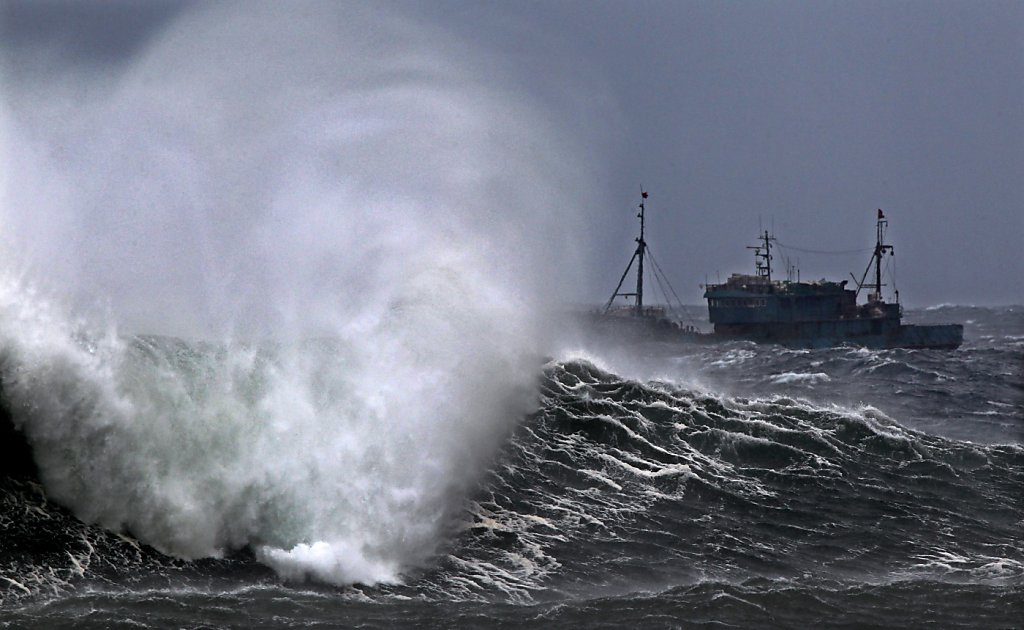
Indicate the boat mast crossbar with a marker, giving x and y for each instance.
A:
(763, 257)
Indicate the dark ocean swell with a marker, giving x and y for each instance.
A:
(618, 486)
(745, 486)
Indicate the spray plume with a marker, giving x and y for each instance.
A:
(351, 193)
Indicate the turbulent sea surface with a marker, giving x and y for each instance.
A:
(733, 485)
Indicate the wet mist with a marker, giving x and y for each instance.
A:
(254, 168)
(355, 217)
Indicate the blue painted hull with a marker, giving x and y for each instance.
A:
(878, 333)
(815, 315)
(857, 332)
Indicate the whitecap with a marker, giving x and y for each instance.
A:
(799, 377)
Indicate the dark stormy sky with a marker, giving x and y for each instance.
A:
(801, 116)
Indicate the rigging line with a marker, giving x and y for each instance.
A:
(658, 278)
(653, 271)
(619, 286)
(661, 286)
(682, 309)
(657, 269)
(820, 251)
(892, 261)
(890, 270)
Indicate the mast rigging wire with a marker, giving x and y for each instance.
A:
(845, 252)
(657, 270)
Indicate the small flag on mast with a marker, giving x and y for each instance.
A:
(880, 215)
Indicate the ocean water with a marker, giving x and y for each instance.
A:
(733, 485)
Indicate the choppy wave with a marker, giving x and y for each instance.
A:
(617, 483)
(330, 461)
(770, 492)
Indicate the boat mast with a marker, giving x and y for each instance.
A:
(876, 259)
(641, 247)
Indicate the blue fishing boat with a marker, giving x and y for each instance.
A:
(818, 314)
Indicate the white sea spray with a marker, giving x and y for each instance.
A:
(354, 213)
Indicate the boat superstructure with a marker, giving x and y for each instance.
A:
(818, 314)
